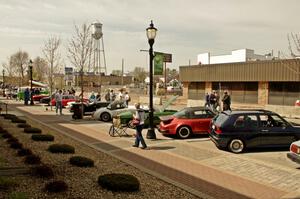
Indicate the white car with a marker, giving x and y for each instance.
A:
(113, 109)
(294, 153)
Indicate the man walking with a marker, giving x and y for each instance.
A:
(139, 117)
(58, 101)
(226, 101)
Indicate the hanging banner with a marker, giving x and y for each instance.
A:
(158, 63)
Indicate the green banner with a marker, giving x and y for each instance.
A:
(158, 63)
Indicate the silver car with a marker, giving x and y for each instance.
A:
(113, 109)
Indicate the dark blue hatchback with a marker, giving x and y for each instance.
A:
(240, 129)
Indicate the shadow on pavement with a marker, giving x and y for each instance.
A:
(161, 147)
(267, 149)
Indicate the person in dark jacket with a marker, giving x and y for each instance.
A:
(226, 101)
(26, 96)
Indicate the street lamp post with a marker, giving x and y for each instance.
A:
(151, 33)
(31, 91)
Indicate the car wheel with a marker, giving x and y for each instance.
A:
(105, 117)
(236, 146)
(184, 132)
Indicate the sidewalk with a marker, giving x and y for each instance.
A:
(195, 165)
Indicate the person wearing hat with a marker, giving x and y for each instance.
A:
(139, 117)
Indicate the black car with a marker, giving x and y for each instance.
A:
(46, 100)
(241, 129)
(88, 108)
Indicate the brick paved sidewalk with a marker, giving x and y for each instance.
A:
(194, 176)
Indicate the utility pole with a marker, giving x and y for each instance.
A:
(122, 72)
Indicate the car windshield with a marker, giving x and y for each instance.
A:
(220, 119)
(181, 114)
(116, 105)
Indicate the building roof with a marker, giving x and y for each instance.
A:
(287, 70)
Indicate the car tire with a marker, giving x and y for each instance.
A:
(184, 132)
(236, 146)
(105, 117)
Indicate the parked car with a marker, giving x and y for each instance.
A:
(241, 129)
(126, 117)
(294, 153)
(66, 99)
(188, 121)
(114, 108)
(88, 108)
(46, 100)
(39, 97)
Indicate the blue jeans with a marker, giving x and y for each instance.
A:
(58, 106)
(139, 137)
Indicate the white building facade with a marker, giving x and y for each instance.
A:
(241, 55)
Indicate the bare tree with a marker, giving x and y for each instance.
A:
(52, 56)
(79, 50)
(139, 74)
(18, 63)
(40, 66)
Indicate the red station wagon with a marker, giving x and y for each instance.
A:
(188, 121)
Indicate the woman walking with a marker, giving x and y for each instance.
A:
(139, 118)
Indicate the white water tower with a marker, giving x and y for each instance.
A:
(98, 49)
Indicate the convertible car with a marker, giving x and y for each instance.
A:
(126, 117)
(113, 109)
(88, 108)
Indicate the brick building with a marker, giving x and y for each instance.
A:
(273, 82)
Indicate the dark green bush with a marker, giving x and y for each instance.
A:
(32, 130)
(9, 116)
(61, 148)
(32, 159)
(56, 186)
(7, 135)
(42, 171)
(16, 145)
(3, 131)
(42, 137)
(18, 120)
(17, 195)
(119, 182)
(6, 183)
(81, 161)
(23, 125)
(23, 152)
(12, 139)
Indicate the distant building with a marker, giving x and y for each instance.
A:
(242, 55)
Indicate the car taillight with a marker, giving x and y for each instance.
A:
(295, 149)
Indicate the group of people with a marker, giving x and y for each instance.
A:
(123, 95)
(212, 101)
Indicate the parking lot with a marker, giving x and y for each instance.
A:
(259, 173)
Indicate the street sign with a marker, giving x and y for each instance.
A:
(167, 57)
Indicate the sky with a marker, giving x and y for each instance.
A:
(185, 28)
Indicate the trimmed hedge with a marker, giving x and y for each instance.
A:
(42, 171)
(6, 183)
(119, 182)
(43, 137)
(56, 186)
(16, 145)
(9, 116)
(61, 148)
(32, 159)
(23, 125)
(2, 131)
(7, 135)
(32, 130)
(81, 161)
(18, 120)
(12, 139)
(24, 152)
